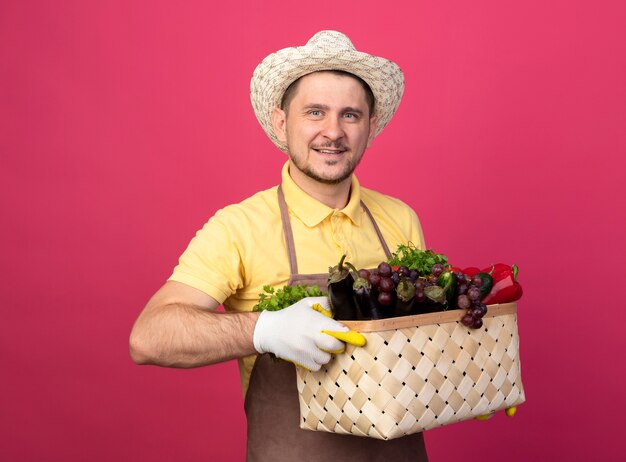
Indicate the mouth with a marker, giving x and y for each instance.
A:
(332, 151)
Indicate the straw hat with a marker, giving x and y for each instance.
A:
(326, 50)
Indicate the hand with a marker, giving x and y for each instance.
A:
(295, 334)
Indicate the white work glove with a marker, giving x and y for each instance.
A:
(295, 334)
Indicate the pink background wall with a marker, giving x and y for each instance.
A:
(125, 125)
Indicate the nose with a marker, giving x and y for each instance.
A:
(333, 128)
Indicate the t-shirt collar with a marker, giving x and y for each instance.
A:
(311, 211)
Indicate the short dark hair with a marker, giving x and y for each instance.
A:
(290, 92)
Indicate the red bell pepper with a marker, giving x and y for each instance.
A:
(500, 271)
(472, 271)
(505, 286)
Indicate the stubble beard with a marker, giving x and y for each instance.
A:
(309, 172)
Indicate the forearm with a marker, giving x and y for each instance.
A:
(182, 335)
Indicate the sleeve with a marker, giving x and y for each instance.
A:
(212, 261)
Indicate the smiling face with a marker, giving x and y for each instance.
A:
(327, 126)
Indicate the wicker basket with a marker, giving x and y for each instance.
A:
(415, 373)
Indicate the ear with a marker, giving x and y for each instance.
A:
(373, 125)
(279, 121)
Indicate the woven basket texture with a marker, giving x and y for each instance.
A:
(412, 379)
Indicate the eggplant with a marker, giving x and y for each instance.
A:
(340, 294)
(405, 303)
(363, 299)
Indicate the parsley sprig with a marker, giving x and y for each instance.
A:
(414, 258)
(274, 300)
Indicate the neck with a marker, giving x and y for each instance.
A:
(335, 196)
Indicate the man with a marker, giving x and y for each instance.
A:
(323, 104)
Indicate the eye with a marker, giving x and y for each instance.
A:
(351, 115)
(315, 113)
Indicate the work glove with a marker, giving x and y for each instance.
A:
(295, 333)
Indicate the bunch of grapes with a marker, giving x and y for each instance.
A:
(468, 296)
(428, 292)
(384, 281)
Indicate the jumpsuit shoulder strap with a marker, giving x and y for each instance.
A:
(284, 215)
(377, 229)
